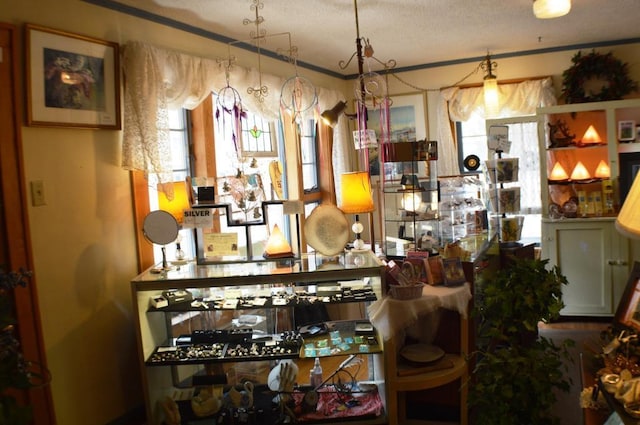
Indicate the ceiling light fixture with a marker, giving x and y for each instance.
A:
(491, 96)
(547, 9)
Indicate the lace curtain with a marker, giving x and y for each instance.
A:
(458, 104)
(158, 79)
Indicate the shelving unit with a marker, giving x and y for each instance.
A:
(440, 318)
(409, 195)
(245, 318)
(402, 378)
(578, 232)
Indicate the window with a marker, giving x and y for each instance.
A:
(258, 137)
(199, 149)
(523, 134)
(179, 137)
(309, 151)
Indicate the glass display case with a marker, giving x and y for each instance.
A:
(462, 208)
(410, 197)
(235, 331)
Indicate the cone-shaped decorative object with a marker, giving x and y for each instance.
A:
(558, 173)
(603, 171)
(591, 136)
(580, 172)
(277, 245)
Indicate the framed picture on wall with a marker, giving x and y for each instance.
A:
(626, 131)
(407, 120)
(72, 80)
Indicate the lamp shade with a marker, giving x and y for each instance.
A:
(355, 189)
(491, 103)
(330, 116)
(628, 220)
(174, 199)
(547, 9)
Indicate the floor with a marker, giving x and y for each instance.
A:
(586, 338)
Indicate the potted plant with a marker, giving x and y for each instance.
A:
(516, 370)
(15, 373)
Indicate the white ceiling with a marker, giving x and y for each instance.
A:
(411, 32)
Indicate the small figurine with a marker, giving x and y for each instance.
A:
(427, 242)
(559, 136)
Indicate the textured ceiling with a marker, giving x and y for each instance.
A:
(411, 32)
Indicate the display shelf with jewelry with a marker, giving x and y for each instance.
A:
(204, 330)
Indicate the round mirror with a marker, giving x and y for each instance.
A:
(160, 227)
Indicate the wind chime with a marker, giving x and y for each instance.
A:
(370, 93)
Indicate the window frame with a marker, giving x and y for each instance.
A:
(200, 122)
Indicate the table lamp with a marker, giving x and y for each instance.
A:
(174, 199)
(591, 136)
(558, 173)
(356, 198)
(603, 171)
(277, 245)
(628, 220)
(580, 172)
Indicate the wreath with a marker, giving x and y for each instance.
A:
(600, 66)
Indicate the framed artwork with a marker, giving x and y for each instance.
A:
(626, 131)
(407, 120)
(452, 271)
(72, 80)
(629, 168)
(628, 310)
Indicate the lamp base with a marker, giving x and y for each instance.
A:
(358, 244)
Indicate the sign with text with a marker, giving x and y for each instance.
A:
(199, 218)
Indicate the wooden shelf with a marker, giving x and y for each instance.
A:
(455, 366)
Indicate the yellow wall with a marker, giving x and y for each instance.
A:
(83, 238)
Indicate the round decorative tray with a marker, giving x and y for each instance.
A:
(422, 353)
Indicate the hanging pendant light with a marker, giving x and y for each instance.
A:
(547, 9)
(490, 89)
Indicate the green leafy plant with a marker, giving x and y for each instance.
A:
(517, 371)
(14, 369)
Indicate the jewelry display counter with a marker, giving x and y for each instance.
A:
(215, 327)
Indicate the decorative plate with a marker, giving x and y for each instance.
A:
(327, 229)
(422, 353)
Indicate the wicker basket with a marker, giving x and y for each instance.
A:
(406, 292)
